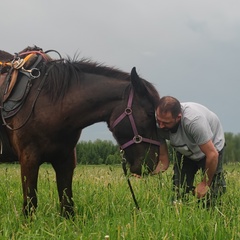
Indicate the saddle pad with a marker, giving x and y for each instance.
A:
(14, 102)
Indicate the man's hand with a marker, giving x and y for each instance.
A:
(201, 189)
(163, 160)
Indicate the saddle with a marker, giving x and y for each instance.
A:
(16, 83)
(16, 78)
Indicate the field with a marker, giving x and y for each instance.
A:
(104, 206)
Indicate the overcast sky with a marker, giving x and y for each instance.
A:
(189, 49)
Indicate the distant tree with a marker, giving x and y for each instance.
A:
(113, 159)
(232, 149)
(106, 152)
(97, 152)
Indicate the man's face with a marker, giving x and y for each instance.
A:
(166, 120)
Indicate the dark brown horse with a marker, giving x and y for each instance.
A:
(68, 96)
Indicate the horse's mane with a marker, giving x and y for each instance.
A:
(73, 69)
(88, 66)
(66, 69)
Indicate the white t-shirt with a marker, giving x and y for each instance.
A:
(198, 125)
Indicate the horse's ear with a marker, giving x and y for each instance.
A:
(137, 82)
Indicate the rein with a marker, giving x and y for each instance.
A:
(124, 167)
(136, 140)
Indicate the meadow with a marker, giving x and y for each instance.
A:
(104, 206)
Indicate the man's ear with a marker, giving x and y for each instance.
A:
(179, 116)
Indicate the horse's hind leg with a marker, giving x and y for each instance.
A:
(29, 176)
(64, 174)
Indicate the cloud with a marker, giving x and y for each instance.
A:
(189, 49)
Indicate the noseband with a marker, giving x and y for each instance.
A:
(128, 113)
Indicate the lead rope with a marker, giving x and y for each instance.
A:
(124, 163)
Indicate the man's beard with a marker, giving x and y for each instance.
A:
(173, 129)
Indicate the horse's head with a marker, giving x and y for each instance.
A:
(135, 126)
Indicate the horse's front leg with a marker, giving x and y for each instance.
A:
(64, 174)
(29, 176)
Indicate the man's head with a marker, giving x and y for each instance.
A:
(168, 114)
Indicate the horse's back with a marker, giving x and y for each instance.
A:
(5, 56)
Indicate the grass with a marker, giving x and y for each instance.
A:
(104, 206)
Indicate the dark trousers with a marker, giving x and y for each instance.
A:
(185, 170)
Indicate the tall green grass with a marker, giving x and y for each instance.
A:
(104, 206)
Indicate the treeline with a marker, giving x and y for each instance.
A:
(106, 152)
(98, 152)
(232, 150)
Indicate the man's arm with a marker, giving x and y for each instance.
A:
(211, 165)
(163, 163)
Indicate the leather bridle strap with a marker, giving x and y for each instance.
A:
(137, 138)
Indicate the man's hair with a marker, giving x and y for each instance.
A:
(169, 104)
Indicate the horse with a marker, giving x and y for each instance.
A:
(65, 96)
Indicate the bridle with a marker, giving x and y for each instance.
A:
(128, 113)
(135, 140)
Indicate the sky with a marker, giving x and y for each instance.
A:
(189, 49)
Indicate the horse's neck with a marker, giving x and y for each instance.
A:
(98, 99)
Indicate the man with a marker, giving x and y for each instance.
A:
(197, 136)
